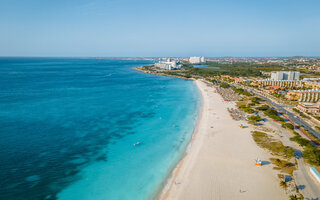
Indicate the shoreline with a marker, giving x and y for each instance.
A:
(219, 159)
(171, 178)
(161, 74)
(218, 162)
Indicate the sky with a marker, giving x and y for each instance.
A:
(162, 28)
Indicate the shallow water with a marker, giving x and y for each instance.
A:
(67, 128)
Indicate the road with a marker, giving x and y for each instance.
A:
(304, 180)
(292, 117)
(306, 184)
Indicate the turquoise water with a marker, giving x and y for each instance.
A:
(67, 128)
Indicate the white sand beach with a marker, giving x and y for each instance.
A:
(220, 161)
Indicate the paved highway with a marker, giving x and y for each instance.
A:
(309, 187)
(294, 118)
(304, 180)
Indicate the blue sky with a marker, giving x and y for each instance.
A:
(159, 28)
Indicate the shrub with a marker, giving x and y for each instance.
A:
(224, 85)
(252, 122)
(255, 100)
(312, 155)
(255, 118)
(241, 91)
(273, 114)
(263, 108)
(271, 111)
(288, 125)
(276, 147)
(283, 184)
(301, 141)
(296, 110)
(248, 110)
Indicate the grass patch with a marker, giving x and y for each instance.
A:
(241, 91)
(263, 108)
(310, 153)
(248, 110)
(273, 114)
(276, 147)
(283, 165)
(288, 125)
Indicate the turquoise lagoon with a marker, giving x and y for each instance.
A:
(67, 128)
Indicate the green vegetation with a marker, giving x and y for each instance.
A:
(294, 197)
(283, 184)
(288, 125)
(234, 69)
(263, 108)
(248, 110)
(224, 85)
(241, 91)
(255, 100)
(299, 112)
(273, 114)
(301, 141)
(296, 110)
(317, 118)
(255, 118)
(310, 153)
(283, 165)
(276, 147)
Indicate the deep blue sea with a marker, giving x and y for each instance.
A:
(67, 128)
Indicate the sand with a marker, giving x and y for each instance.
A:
(219, 163)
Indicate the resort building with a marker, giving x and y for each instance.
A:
(273, 89)
(169, 65)
(312, 84)
(196, 60)
(202, 60)
(282, 83)
(309, 107)
(304, 95)
(285, 75)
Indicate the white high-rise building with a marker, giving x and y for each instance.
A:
(196, 60)
(285, 75)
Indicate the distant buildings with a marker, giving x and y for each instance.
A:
(285, 75)
(309, 107)
(304, 95)
(167, 65)
(197, 60)
(236, 79)
(282, 83)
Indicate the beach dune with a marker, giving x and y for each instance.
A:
(220, 163)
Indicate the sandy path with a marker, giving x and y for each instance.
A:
(220, 162)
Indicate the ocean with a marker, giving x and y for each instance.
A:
(68, 128)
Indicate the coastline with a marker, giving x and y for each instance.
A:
(163, 194)
(218, 161)
(160, 74)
